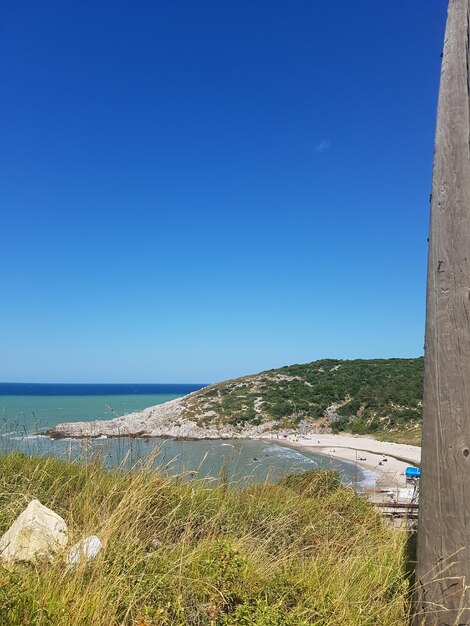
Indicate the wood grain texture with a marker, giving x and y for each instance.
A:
(443, 570)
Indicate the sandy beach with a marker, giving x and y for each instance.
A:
(386, 460)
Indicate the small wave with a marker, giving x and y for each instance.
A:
(227, 444)
(288, 453)
(369, 479)
(23, 437)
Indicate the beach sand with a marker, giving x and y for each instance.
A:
(368, 454)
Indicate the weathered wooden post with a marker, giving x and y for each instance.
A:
(443, 571)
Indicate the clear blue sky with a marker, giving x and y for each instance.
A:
(192, 191)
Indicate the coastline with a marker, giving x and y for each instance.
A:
(365, 452)
(382, 463)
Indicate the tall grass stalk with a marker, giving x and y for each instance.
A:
(303, 552)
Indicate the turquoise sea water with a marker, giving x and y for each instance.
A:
(34, 408)
(35, 413)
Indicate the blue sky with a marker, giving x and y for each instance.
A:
(192, 191)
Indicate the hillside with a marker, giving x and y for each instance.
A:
(363, 396)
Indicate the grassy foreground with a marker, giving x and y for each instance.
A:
(303, 552)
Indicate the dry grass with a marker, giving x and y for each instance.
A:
(300, 553)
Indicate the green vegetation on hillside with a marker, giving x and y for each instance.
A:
(300, 553)
(363, 396)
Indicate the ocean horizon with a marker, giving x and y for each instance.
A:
(60, 389)
(39, 406)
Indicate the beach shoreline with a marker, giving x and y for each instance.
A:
(387, 460)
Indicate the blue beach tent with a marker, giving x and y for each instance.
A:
(412, 472)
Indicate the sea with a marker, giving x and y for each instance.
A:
(27, 410)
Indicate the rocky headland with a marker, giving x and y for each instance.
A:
(168, 420)
(361, 396)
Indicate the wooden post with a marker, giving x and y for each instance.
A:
(442, 595)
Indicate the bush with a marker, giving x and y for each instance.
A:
(388, 388)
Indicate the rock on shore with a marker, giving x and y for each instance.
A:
(163, 420)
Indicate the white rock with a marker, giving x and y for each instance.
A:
(37, 533)
(86, 548)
